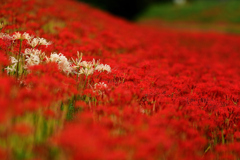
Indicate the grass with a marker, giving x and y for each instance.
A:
(199, 15)
(198, 11)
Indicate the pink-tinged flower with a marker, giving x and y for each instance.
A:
(6, 36)
(20, 36)
(33, 42)
(26, 36)
(43, 41)
(17, 35)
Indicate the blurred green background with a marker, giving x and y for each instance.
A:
(219, 15)
(171, 10)
(129, 9)
(227, 11)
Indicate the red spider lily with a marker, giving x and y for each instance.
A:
(170, 95)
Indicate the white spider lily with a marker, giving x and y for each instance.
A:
(86, 64)
(13, 60)
(62, 62)
(33, 42)
(32, 60)
(33, 51)
(33, 56)
(17, 35)
(6, 36)
(20, 36)
(43, 41)
(54, 57)
(11, 68)
(77, 62)
(86, 71)
(26, 36)
(102, 68)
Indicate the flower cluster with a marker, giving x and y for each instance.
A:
(33, 42)
(34, 56)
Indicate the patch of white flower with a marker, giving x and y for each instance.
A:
(86, 71)
(33, 42)
(20, 36)
(13, 60)
(62, 62)
(13, 66)
(6, 36)
(54, 57)
(32, 56)
(88, 68)
(102, 68)
(43, 41)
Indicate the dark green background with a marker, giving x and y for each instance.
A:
(128, 9)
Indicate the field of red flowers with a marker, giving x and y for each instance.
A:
(78, 83)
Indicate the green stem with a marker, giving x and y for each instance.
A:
(85, 82)
(208, 148)
(79, 82)
(18, 57)
(223, 139)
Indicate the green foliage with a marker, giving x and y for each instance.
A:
(196, 11)
(50, 27)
